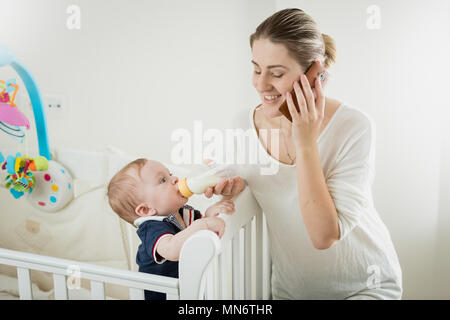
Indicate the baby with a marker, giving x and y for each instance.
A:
(145, 194)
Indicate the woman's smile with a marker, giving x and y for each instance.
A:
(272, 99)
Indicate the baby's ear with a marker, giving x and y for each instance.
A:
(143, 211)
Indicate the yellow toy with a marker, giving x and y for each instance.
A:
(20, 178)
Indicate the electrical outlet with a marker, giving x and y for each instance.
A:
(53, 102)
(54, 105)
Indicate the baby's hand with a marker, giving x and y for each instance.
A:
(216, 225)
(224, 206)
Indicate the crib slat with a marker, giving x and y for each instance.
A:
(241, 263)
(235, 267)
(266, 262)
(136, 294)
(210, 284)
(97, 290)
(23, 276)
(216, 278)
(59, 283)
(259, 256)
(238, 265)
(172, 297)
(248, 261)
(223, 271)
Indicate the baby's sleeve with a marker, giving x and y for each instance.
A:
(350, 181)
(189, 214)
(156, 231)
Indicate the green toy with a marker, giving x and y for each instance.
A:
(20, 178)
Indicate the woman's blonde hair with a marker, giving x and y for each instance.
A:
(301, 36)
(123, 195)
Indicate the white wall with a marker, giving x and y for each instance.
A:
(138, 70)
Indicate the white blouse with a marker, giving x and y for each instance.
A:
(364, 258)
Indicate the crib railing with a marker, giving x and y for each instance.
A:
(237, 266)
(98, 275)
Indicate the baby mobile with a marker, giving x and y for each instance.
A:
(47, 183)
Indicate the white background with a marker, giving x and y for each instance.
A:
(138, 70)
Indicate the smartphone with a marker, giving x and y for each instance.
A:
(315, 70)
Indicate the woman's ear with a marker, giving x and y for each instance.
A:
(143, 210)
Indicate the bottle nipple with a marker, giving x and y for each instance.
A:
(184, 189)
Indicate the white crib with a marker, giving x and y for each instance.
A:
(237, 266)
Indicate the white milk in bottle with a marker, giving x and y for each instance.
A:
(209, 178)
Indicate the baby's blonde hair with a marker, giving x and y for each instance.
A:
(123, 195)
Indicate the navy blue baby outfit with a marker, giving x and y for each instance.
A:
(150, 231)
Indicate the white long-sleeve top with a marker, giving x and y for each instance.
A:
(364, 257)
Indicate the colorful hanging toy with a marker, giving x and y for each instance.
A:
(20, 177)
(11, 119)
(47, 183)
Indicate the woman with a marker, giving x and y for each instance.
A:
(327, 239)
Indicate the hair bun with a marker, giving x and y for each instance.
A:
(330, 50)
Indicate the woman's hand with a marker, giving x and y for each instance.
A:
(223, 206)
(307, 123)
(227, 187)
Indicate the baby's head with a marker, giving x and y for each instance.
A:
(144, 188)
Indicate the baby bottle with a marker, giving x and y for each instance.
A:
(209, 177)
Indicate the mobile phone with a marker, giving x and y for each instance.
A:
(315, 70)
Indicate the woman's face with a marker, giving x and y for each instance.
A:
(274, 74)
